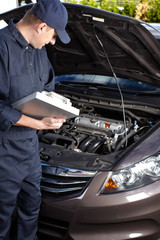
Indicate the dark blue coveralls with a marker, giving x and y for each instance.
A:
(23, 70)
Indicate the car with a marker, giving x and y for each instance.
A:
(101, 169)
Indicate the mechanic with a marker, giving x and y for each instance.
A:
(24, 69)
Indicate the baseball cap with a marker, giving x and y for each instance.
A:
(55, 15)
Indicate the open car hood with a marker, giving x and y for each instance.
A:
(103, 43)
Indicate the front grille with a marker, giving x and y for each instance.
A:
(60, 182)
(50, 229)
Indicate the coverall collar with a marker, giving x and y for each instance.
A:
(17, 35)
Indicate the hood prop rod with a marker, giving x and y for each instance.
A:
(115, 77)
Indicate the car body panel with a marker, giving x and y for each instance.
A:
(137, 153)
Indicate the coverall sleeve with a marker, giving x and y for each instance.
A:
(8, 115)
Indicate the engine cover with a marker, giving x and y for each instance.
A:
(100, 125)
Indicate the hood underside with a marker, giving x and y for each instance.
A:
(102, 43)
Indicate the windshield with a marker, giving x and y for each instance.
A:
(125, 84)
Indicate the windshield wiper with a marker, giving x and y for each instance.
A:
(102, 87)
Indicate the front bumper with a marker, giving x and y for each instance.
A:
(121, 216)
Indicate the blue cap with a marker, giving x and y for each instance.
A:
(55, 15)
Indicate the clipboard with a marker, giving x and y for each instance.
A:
(46, 104)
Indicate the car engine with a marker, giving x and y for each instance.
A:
(94, 132)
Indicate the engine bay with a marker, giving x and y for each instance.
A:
(98, 132)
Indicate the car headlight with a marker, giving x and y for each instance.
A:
(135, 176)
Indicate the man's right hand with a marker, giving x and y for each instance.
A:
(44, 123)
(52, 123)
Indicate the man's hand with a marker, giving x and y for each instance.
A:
(44, 123)
(52, 123)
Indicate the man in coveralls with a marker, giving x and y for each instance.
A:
(24, 69)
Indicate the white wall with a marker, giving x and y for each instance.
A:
(6, 5)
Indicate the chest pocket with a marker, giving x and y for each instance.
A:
(21, 86)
